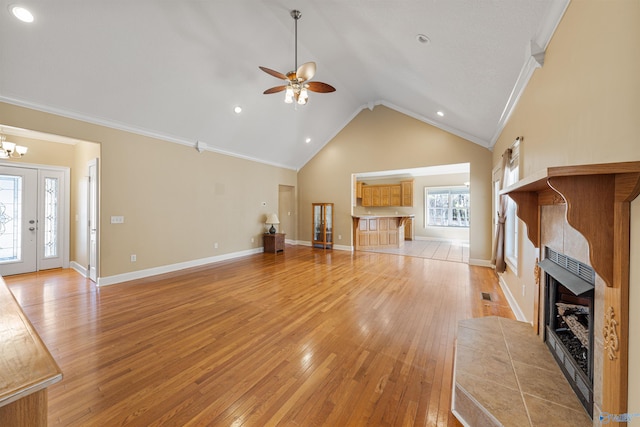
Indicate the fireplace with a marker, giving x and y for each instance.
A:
(569, 296)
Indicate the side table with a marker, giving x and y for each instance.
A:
(273, 242)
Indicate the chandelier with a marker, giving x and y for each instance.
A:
(9, 150)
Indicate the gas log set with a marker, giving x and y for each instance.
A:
(569, 295)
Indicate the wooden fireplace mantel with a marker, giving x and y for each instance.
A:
(598, 199)
(591, 193)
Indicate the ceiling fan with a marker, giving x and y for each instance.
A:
(297, 82)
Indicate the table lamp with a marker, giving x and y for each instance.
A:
(272, 219)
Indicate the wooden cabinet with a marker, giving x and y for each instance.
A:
(387, 194)
(322, 221)
(367, 195)
(408, 229)
(396, 195)
(273, 242)
(407, 193)
(375, 196)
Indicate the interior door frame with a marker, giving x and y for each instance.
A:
(66, 205)
(93, 272)
(287, 211)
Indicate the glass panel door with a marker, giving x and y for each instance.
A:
(51, 225)
(10, 218)
(318, 226)
(329, 228)
(18, 227)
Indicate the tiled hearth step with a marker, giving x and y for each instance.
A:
(504, 375)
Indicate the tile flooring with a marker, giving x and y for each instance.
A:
(505, 376)
(444, 250)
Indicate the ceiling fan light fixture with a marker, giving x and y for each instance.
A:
(304, 95)
(288, 95)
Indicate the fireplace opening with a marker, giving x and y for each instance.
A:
(569, 297)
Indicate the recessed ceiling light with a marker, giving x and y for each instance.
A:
(21, 13)
(238, 110)
(308, 140)
(422, 39)
(440, 113)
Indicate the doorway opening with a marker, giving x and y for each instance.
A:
(287, 212)
(61, 183)
(424, 238)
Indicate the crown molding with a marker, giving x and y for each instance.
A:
(535, 51)
(199, 145)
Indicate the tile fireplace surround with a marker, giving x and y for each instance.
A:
(505, 376)
(584, 213)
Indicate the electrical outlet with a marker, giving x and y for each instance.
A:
(215, 245)
(133, 258)
(524, 289)
(339, 236)
(253, 240)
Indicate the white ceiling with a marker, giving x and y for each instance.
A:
(176, 69)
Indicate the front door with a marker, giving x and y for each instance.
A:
(18, 220)
(33, 230)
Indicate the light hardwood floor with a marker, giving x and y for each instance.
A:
(308, 337)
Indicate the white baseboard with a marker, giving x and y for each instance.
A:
(141, 274)
(337, 247)
(511, 300)
(79, 268)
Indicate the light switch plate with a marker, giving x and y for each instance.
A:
(119, 219)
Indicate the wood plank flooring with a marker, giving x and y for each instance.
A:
(306, 338)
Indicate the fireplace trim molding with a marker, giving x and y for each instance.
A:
(598, 199)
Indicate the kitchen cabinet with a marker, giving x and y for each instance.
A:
(387, 194)
(407, 193)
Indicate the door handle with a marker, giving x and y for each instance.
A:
(31, 228)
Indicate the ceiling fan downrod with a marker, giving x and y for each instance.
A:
(296, 14)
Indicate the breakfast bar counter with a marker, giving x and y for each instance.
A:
(379, 231)
(27, 367)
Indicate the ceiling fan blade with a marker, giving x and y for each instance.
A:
(274, 73)
(306, 71)
(320, 87)
(274, 89)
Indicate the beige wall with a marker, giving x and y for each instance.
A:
(582, 107)
(176, 202)
(381, 140)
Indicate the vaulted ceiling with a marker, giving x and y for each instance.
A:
(177, 69)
